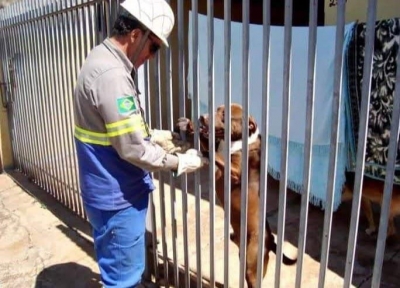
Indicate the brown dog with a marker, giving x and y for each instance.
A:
(253, 189)
(373, 193)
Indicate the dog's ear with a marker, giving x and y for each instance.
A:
(252, 125)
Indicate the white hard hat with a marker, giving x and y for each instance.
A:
(156, 15)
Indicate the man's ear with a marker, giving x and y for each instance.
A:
(135, 34)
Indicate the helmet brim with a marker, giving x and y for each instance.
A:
(163, 39)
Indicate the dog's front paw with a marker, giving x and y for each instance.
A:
(184, 125)
(370, 231)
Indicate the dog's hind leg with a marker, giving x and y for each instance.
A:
(251, 262)
(366, 206)
(392, 227)
(347, 194)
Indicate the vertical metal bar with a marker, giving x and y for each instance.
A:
(227, 137)
(12, 107)
(75, 28)
(389, 179)
(79, 62)
(337, 89)
(113, 12)
(66, 119)
(15, 97)
(18, 133)
(170, 115)
(33, 94)
(53, 111)
(28, 90)
(197, 183)
(305, 197)
(287, 54)
(42, 97)
(151, 198)
(19, 92)
(53, 95)
(17, 124)
(32, 40)
(54, 169)
(103, 21)
(211, 142)
(264, 140)
(157, 92)
(362, 140)
(66, 115)
(59, 131)
(107, 17)
(71, 68)
(91, 26)
(97, 28)
(13, 52)
(7, 48)
(48, 98)
(18, 69)
(182, 113)
(245, 136)
(84, 32)
(31, 88)
(37, 47)
(23, 91)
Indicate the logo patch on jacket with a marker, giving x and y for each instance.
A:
(126, 105)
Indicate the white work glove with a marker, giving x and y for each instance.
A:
(190, 161)
(169, 141)
(162, 135)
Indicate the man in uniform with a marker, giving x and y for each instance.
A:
(114, 147)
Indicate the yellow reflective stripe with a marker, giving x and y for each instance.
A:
(124, 122)
(91, 137)
(132, 124)
(118, 123)
(87, 132)
(122, 131)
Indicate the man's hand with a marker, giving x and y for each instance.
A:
(169, 141)
(190, 161)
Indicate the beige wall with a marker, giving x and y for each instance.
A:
(357, 10)
(6, 160)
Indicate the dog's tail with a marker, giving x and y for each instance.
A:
(286, 260)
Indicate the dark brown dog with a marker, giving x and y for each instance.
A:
(253, 189)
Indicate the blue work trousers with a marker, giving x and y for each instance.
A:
(119, 244)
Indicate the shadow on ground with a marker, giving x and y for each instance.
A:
(67, 275)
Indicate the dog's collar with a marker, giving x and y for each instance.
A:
(237, 145)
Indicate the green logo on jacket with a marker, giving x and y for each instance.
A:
(126, 104)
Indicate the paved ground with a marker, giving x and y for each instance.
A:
(36, 248)
(39, 249)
